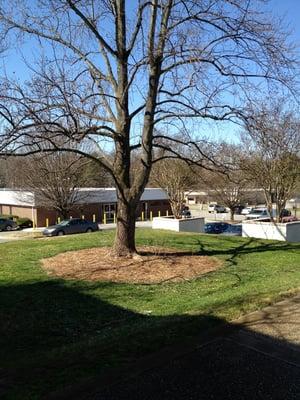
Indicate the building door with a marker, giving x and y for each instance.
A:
(109, 211)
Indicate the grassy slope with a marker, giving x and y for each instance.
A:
(54, 332)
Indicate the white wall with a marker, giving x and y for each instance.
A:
(293, 232)
(268, 230)
(179, 225)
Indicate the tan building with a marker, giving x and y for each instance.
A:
(96, 203)
(201, 197)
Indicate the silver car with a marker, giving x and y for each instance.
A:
(69, 226)
(257, 213)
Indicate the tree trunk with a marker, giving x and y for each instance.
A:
(63, 213)
(280, 205)
(232, 214)
(176, 209)
(269, 203)
(124, 245)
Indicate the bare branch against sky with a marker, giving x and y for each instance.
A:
(271, 157)
(118, 74)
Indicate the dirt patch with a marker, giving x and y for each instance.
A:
(153, 265)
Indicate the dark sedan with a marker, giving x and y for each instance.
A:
(215, 227)
(69, 226)
(233, 230)
(7, 224)
(185, 212)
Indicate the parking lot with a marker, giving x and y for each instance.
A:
(197, 212)
(30, 233)
(8, 236)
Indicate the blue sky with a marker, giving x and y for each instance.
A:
(289, 8)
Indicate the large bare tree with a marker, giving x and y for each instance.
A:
(115, 73)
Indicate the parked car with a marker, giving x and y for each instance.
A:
(69, 226)
(238, 209)
(215, 227)
(264, 213)
(290, 218)
(247, 210)
(185, 212)
(211, 207)
(216, 208)
(233, 230)
(258, 213)
(24, 223)
(285, 213)
(7, 224)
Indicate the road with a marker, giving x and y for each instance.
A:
(197, 212)
(9, 236)
(28, 233)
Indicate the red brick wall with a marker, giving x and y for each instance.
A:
(88, 211)
(22, 212)
(154, 206)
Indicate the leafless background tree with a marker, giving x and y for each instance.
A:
(175, 177)
(55, 178)
(229, 190)
(271, 157)
(116, 73)
(229, 185)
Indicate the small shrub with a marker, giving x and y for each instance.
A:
(24, 222)
(9, 216)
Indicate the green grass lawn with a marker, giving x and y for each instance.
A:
(55, 332)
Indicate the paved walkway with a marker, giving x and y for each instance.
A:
(258, 359)
(254, 358)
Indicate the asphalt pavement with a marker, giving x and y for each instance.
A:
(257, 357)
(9, 236)
(29, 233)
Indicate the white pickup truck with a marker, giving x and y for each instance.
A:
(258, 213)
(216, 208)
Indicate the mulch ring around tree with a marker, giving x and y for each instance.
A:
(153, 265)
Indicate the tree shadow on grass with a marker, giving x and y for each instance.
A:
(53, 335)
(236, 249)
(251, 246)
